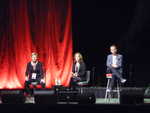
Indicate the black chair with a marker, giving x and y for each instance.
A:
(31, 85)
(38, 84)
(85, 82)
(87, 79)
(29, 90)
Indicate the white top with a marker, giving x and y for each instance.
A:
(114, 59)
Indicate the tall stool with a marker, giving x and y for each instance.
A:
(108, 94)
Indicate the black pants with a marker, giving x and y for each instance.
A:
(116, 75)
(29, 82)
(74, 81)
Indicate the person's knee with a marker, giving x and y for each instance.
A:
(27, 83)
(43, 85)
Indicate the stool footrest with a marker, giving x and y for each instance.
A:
(114, 90)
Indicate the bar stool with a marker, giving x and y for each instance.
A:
(108, 94)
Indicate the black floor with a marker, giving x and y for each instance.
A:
(45, 108)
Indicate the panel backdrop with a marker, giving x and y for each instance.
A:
(42, 26)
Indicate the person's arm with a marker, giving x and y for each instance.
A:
(82, 69)
(27, 72)
(41, 71)
(108, 62)
(120, 60)
(73, 70)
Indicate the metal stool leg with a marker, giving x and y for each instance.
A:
(118, 90)
(107, 94)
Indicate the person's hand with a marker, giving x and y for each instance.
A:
(114, 65)
(26, 78)
(74, 74)
(42, 80)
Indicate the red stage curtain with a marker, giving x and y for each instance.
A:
(43, 26)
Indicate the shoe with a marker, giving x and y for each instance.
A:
(108, 90)
(30, 99)
(123, 80)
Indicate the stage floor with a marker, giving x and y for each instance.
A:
(116, 101)
(129, 93)
(99, 92)
(98, 101)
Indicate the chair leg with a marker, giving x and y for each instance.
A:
(118, 90)
(107, 94)
(81, 90)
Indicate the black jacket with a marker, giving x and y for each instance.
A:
(38, 70)
(82, 70)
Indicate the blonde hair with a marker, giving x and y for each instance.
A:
(34, 54)
(80, 56)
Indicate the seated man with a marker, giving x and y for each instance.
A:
(78, 70)
(114, 66)
(34, 72)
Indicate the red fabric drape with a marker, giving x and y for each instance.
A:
(43, 26)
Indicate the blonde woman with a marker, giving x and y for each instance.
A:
(78, 69)
(34, 71)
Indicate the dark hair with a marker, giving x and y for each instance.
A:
(114, 46)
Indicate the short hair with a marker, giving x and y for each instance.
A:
(34, 54)
(80, 56)
(113, 46)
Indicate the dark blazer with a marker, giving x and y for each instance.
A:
(82, 70)
(38, 70)
(119, 62)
